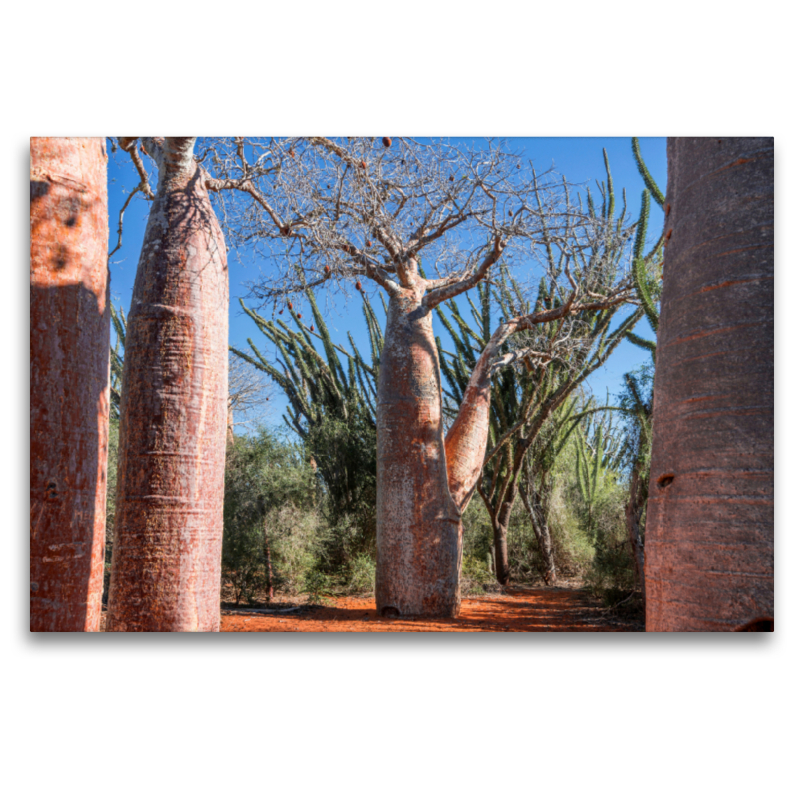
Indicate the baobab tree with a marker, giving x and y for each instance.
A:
(709, 541)
(165, 572)
(69, 381)
(346, 211)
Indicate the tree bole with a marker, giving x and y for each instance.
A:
(418, 523)
(173, 420)
(69, 374)
(709, 544)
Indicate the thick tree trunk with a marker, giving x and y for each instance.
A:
(424, 482)
(709, 542)
(419, 524)
(69, 399)
(168, 534)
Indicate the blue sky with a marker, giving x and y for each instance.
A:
(579, 159)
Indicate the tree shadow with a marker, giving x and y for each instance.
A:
(69, 403)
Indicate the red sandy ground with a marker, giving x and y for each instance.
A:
(517, 609)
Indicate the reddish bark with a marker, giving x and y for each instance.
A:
(69, 326)
(419, 524)
(173, 421)
(709, 543)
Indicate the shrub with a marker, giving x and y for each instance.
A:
(270, 491)
(361, 579)
(612, 575)
(476, 577)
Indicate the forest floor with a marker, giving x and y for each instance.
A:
(516, 608)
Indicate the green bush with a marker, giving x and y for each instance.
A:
(611, 575)
(361, 578)
(476, 577)
(270, 491)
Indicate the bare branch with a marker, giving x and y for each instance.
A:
(128, 144)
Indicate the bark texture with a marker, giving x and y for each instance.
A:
(173, 421)
(69, 328)
(709, 542)
(419, 524)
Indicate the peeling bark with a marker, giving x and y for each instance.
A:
(173, 420)
(709, 544)
(69, 374)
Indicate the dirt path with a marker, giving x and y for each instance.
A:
(518, 609)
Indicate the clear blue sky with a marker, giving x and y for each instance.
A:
(579, 159)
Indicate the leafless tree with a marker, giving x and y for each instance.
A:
(248, 394)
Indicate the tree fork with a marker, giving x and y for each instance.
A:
(70, 328)
(173, 421)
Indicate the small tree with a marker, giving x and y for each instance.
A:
(263, 475)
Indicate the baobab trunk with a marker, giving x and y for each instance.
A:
(69, 329)
(425, 480)
(709, 542)
(168, 533)
(419, 524)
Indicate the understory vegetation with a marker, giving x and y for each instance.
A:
(285, 531)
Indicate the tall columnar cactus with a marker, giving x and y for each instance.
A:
(331, 406)
(638, 399)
